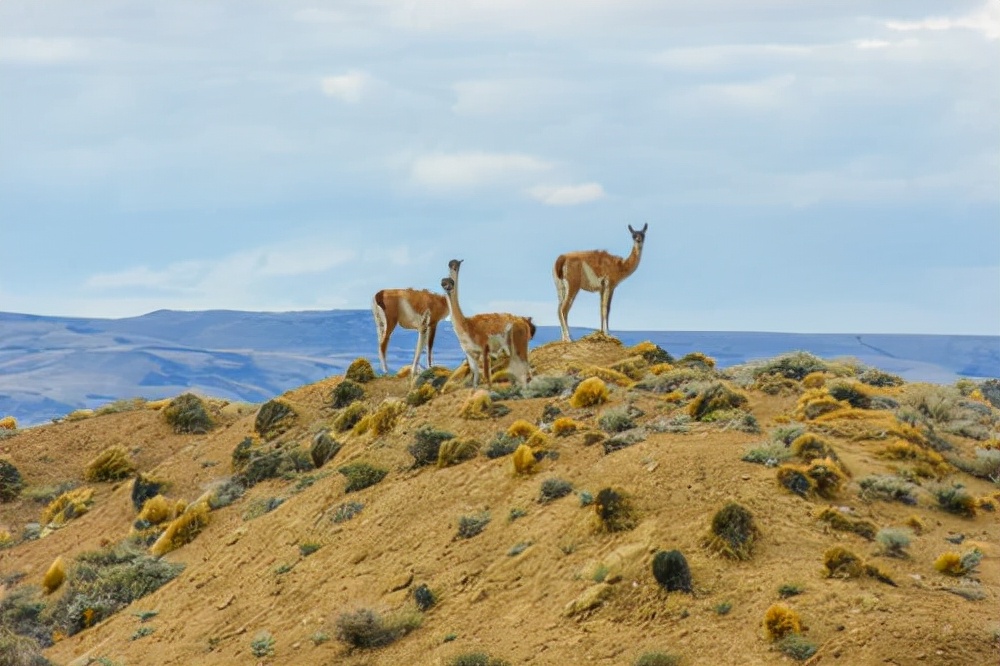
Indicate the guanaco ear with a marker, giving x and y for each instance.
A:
(644, 227)
(630, 229)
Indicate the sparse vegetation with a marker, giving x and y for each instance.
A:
(145, 488)
(671, 571)
(770, 454)
(616, 419)
(424, 597)
(307, 548)
(733, 532)
(955, 499)
(843, 521)
(888, 488)
(657, 659)
(715, 397)
(953, 564)
(524, 459)
(111, 464)
(797, 647)
(457, 450)
(553, 489)
(67, 506)
(790, 590)
(470, 526)
(187, 414)
(427, 445)
(894, 541)
(366, 628)
(382, 420)
(262, 645)
(346, 392)
(477, 659)
(501, 445)
(421, 395)
(361, 475)
(879, 378)
(346, 511)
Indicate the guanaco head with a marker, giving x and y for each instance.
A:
(454, 265)
(638, 237)
(447, 284)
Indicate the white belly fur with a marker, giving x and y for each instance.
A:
(590, 281)
(408, 317)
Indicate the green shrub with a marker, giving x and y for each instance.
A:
(111, 464)
(715, 397)
(187, 414)
(436, 377)
(622, 441)
(423, 597)
(11, 482)
(770, 454)
(476, 659)
(894, 541)
(733, 532)
(262, 645)
(876, 377)
(851, 392)
(144, 488)
(671, 571)
(346, 511)
(548, 386)
(795, 365)
(840, 520)
(361, 475)
(17, 650)
(797, 647)
(307, 548)
(955, 499)
(614, 510)
(350, 417)
(360, 370)
(103, 582)
(553, 489)
(501, 445)
(657, 659)
(986, 464)
(654, 354)
(227, 492)
(346, 392)
(888, 488)
(323, 449)
(260, 506)
(273, 418)
(616, 419)
(470, 526)
(427, 445)
(790, 590)
(365, 628)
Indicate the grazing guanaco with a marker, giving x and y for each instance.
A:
(415, 309)
(596, 271)
(483, 333)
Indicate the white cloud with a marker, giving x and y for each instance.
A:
(349, 87)
(472, 169)
(567, 195)
(240, 268)
(41, 51)
(985, 21)
(760, 94)
(723, 55)
(865, 44)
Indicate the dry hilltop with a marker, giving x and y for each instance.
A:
(625, 508)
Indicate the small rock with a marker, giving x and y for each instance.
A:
(227, 602)
(745, 477)
(592, 597)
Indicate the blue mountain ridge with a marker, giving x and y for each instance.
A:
(50, 366)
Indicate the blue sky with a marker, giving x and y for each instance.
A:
(830, 166)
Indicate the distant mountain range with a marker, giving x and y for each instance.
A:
(50, 366)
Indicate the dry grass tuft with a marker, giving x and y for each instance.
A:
(360, 370)
(521, 428)
(67, 506)
(182, 530)
(607, 374)
(477, 406)
(111, 464)
(8, 423)
(564, 426)
(733, 532)
(156, 510)
(383, 419)
(524, 460)
(780, 621)
(457, 450)
(54, 577)
(590, 392)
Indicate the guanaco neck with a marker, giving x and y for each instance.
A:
(631, 262)
(458, 321)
